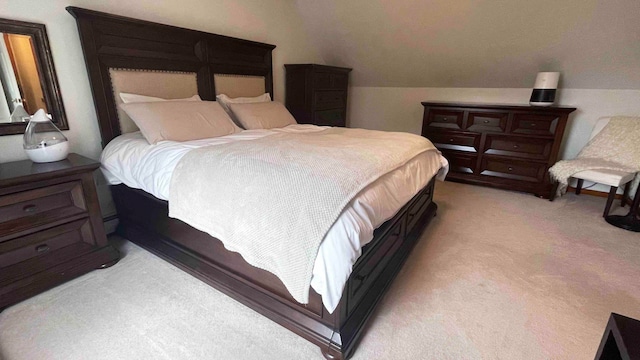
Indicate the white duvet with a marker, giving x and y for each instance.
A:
(129, 159)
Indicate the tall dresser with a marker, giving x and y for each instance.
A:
(317, 94)
(503, 146)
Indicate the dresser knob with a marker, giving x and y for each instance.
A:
(29, 208)
(451, 140)
(533, 124)
(42, 248)
(486, 121)
(510, 168)
(515, 146)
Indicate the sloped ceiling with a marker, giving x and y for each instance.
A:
(479, 43)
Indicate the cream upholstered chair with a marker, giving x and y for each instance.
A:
(613, 178)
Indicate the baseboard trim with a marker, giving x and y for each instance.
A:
(110, 224)
(601, 194)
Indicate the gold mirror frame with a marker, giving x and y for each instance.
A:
(46, 71)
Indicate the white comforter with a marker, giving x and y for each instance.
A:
(129, 159)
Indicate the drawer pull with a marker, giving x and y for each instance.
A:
(444, 119)
(533, 124)
(486, 121)
(361, 277)
(451, 140)
(42, 248)
(29, 208)
(510, 168)
(515, 146)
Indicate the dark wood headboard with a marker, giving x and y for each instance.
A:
(111, 41)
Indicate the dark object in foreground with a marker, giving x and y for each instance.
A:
(621, 339)
(630, 221)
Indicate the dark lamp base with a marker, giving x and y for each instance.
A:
(628, 222)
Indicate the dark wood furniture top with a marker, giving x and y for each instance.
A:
(504, 146)
(51, 228)
(621, 339)
(114, 41)
(46, 72)
(317, 94)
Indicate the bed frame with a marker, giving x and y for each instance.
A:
(110, 41)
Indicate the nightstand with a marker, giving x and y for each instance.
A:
(51, 229)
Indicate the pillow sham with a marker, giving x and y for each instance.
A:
(135, 98)
(224, 100)
(180, 120)
(264, 115)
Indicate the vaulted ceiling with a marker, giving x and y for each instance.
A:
(595, 44)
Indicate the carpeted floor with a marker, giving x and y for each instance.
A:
(498, 275)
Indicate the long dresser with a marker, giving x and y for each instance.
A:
(503, 146)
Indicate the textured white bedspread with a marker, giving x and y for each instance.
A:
(129, 159)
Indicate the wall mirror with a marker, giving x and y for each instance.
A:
(28, 80)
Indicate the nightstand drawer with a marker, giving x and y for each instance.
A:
(29, 209)
(329, 99)
(45, 242)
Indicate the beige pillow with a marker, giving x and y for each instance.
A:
(265, 115)
(224, 100)
(180, 120)
(131, 98)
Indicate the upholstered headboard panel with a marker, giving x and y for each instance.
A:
(234, 85)
(163, 84)
(111, 42)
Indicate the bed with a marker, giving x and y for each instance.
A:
(122, 54)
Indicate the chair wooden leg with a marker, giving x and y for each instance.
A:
(579, 186)
(554, 190)
(612, 195)
(625, 195)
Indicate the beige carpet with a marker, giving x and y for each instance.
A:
(498, 275)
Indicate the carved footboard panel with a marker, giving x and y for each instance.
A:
(144, 220)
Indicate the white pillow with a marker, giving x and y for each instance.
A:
(264, 115)
(128, 98)
(224, 100)
(180, 120)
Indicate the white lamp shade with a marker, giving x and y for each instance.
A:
(547, 80)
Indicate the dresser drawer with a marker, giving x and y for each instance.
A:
(445, 119)
(45, 242)
(487, 122)
(534, 124)
(513, 169)
(40, 206)
(333, 117)
(455, 141)
(523, 147)
(461, 162)
(329, 99)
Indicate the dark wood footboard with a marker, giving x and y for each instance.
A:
(144, 220)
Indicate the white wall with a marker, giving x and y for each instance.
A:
(399, 109)
(275, 22)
